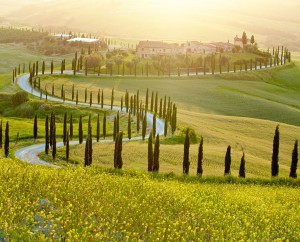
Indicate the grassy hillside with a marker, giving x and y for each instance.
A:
(14, 54)
(92, 204)
(275, 91)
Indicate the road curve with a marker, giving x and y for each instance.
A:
(31, 153)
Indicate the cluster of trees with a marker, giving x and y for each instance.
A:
(242, 169)
(18, 35)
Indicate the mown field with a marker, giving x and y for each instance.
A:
(271, 94)
(44, 204)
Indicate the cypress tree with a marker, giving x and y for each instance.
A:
(166, 127)
(91, 98)
(104, 125)
(150, 153)
(6, 141)
(65, 129)
(156, 103)
(98, 128)
(137, 101)
(85, 95)
(86, 152)
(54, 142)
(90, 146)
(51, 130)
(120, 147)
(80, 132)
(144, 126)
(112, 99)
(151, 103)
(71, 126)
(242, 171)
(37, 68)
(1, 135)
(186, 162)
(86, 68)
(165, 107)
(47, 135)
(115, 128)
(73, 92)
(67, 147)
(138, 122)
(52, 89)
(154, 125)
(275, 166)
(76, 96)
(200, 158)
(35, 128)
(131, 104)
(134, 105)
(121, 103)
(43, 68)
(293, 171)
(129, 126)
(102, 99)
(146, 101)
(156, 155)
(227, 161)
(118, 122)
(51, 68)
(98, 96)
(160, 108)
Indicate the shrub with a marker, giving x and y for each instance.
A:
(19, 98)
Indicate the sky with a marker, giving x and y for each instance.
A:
(209, 20)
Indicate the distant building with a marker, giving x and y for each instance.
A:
(84, 40)
(147, 49)
(223, 46)
(198, 47)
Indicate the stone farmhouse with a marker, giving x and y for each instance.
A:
(147, 49)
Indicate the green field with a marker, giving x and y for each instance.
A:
(44, 204)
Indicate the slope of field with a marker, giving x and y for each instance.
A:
(92, 204)
(271, 94)
(14, 54)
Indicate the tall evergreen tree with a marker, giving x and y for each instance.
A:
(91, 98)
(156, 103)
(73, 92)
(154, 125)
(150, 152)
(71, 127)
(112, 99)
(242, 171)
(166, 127)
(151, 102)
(227, 161)
(80, 132)
(51, 68)
(102, 99)
(293, 171)
(6, 141)
(186, 162)
(144, 127)
(35, 128)
(118, 161)
(147, 100)
(76, 96)
(85, 95)
(200, 158)
(67, 147)
(98, 128)
(1, 138)
(43, 68)
(47, 135)
(104, 125)
(156, 155)
(275, 165)
(129, 126)
(99, 96)
(54, 142)
(115, 129)
(65, 129)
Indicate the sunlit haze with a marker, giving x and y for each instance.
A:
(214, 20)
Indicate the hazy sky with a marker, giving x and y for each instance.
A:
(164, 19)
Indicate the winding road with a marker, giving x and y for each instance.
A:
(31, 153)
